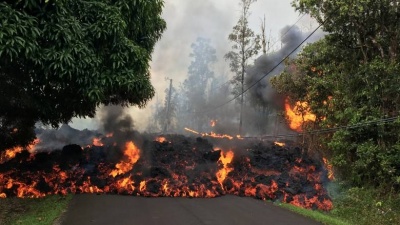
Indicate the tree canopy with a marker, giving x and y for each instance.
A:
(62, 58)
(351, 79)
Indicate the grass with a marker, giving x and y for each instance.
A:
(356, 206)
(43, 211)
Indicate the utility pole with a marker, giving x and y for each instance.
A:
(168, 107)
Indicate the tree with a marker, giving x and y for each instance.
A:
(245, 45)
(62, 59)
(350, 78)
(194, 88)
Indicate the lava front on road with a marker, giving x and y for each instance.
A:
(170, 166)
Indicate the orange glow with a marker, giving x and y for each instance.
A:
(12, 152)
(192, 131)
(225, 159)
(142, 186)
(132, 154)
(97, 142)
(296, 117)
(161, 139)
(213, 123)
(279, 143)
(329, 167)
(3, 195)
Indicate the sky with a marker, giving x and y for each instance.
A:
(186, 21)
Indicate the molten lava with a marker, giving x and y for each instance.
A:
(179, 167)
(298, 114)
(281, 144)
(225, 159)
(161, 139)
(132, 154)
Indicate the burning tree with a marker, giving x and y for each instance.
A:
(350, 79)
(245, 45)
(61, 59)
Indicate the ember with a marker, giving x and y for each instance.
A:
(181, 167)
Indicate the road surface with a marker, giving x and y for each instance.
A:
(88, 209)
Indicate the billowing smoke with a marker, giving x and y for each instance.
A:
(115, 128)
(262, 93)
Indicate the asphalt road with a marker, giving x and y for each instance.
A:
(128, 210)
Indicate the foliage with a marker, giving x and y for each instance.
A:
(245, 46)
(62, 58)
(195, 87)
(42, 211)
(351, 79)
(365, 206)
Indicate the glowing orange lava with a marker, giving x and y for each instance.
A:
(161, 139)
(329, 167)
(225, 159)
(132, 154)
(279, 143)
(296, 117)
(97, 142)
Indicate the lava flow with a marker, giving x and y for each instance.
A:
(179, 167)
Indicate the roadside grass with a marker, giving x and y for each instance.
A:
(356, 206)
(25, 211)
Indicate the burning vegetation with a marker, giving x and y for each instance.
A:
(180, 167)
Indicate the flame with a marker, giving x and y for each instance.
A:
(12, 152)
(133, 154)
(213, 123)
(97, 142)
(281, 144)
(161, 139)
(329, 167)
(213, 135)
(225, 159)
(192, 131)
(297, 118)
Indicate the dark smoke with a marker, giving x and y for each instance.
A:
(113, 120)
(263, 93)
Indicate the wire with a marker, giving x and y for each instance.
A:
(283, 35)
(251, 86)
(329, 130)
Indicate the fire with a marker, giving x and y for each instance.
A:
(213, 135)
(225, 159)
(281, 144)
(296, 117)
(133, 154)
(161, 139)
(213, 123)
(12, 152)
(329, 167)
(192, 131)
(183, 168)
(97, 142)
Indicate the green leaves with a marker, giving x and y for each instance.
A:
(67, 57)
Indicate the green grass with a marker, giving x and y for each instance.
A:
(323, 217)
(43, 211)
(356, 206)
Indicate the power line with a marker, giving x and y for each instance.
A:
(283, 35)
(329, 130)
(276, 66)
